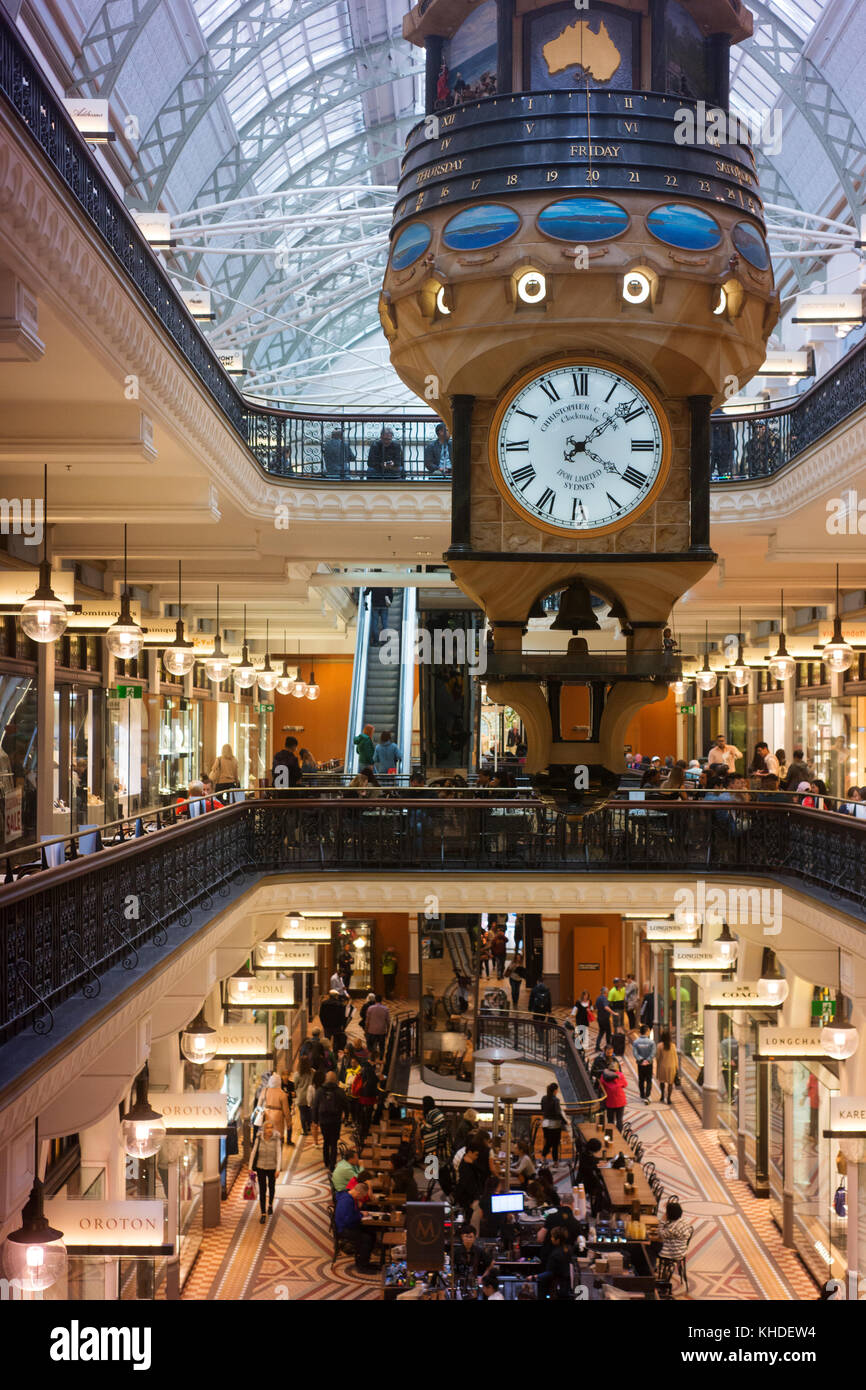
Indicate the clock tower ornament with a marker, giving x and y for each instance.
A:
(577, 287)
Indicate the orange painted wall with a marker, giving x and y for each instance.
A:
(392, 929)
(325, 719)
(654, 729)
(574, 709)
(570, 924)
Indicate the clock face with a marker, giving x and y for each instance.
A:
(580, 447)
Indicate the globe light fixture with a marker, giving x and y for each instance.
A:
(218, 666)
(679, 688)
(267, 678)
(312, 690)
(125, 638)
(531, 287)
(727, 946)
(772, 987)
(198, 1041)
(838, 654)
(738, 672)
(244, 673)
(706, 678)
(299, 685)
(44, 616)
(179, 658)
(143, 1128)
(285, 682)
(840, 1038)
(34, 1256)
(635, 287)
(294, 919)
(782, 666)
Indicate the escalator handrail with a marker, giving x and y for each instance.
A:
(407, 677)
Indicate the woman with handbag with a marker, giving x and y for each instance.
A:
(667, 1066)
(224, 773)
(265, 1161)
(551, 1122)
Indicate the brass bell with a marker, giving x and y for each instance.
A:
(575, 610)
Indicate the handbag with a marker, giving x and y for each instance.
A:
(840, 1201)
(590, 1013)
(250, 1189)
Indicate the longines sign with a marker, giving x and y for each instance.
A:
(672, 931)
(192, 1112)
(737, 996)
(847, 1117)
(789, 1042)
(109, 1227)
(693, 961)
(260, 994)
(286, 955)
(242, 1041)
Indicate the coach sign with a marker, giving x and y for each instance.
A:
(110, 1228)
(194, 1112)
(742, 995)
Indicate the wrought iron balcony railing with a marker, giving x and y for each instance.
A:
(64, 929)
(295, 445)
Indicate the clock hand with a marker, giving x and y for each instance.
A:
(608, 467)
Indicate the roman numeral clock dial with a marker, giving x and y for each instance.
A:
(580, 447)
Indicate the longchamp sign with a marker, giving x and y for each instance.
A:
(789, 1042)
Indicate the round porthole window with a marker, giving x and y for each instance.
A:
(582, 219)
(410, 244)
(477, 227)
(679, 224)
(751, 244)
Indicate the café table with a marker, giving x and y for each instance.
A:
(616, 1145)
(620, 1200)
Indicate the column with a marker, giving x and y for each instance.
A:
(414, 972)
(461, 480)
(101, 1144)
(550, 957)
(723, 705)
(789, 694)
(45, 738)
(699, 722)
(504, 46)
(710, 1090)
(699, 409)
(211, 1183)
(681, 735)
(788, 1161)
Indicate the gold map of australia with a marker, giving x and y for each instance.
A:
(596, 53)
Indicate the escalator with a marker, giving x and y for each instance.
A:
(460, 949)
(383, 690)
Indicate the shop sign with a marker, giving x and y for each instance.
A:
(687, 709)
(263, 709)
(17, 586)
(189, 1112)
(737, 996)
(101, 613)
(847, 1117)
(846, 973)
(103, 1226)
(12, 817)
(662, 930)
(126, 692)
(318, 929)
(692, 962)
(286, 955)
(588, 965)
(853, 629)
(789, 1042)
(90, 115)
(242, 1040)
(260, 994)
(161, 632)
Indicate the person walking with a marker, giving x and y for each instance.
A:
(434, 1135)
(666, 1066)
(644, 1050)
(364, 747)
(285, 768)
(604, 1014)
(330, 1109)
(377, 1021)
(305, 1085)
(265, 1161)
(389, 971)
(224, 774)
(647, 1006)
(276, 1106)
(551, 1122)
(614, 1083)
(516, 972)
(632, 994)
(498, 951)
(616, 1000)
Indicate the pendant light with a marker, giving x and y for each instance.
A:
(180, 657)
(838, 654)
(840, 1038)
(284, 682)
(772, 986)
(125, 638)
(143, 1129)
(44, 616)
(679, 688)
(727, 946)
(267, 677)
(244, 673)
(738, 673)
(706, 678)
(198, 1041)
(312, 691)
(294, 919)
(782, 666)
(218, 666)
(299, 688)
(34, 1256)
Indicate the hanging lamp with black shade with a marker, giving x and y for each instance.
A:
(299, 688)
(738, 671)
(125, 638)
(179, 658)
(218, 665)
(838, 654)
(143, 1127)
(285, 682)
(267, 678)
(782, 666)
(34, 1256)
(44, 617)
(706, 678)
(244, 673)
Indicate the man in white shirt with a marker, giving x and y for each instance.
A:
(771, 762)
(337, 985)
(724, 752)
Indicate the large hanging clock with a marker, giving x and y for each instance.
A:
(581, 446)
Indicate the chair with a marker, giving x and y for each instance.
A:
(638, 1150)
(196, 807)
(88, 839)
(649, 1170)
(665, 1267)
(53, 855)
